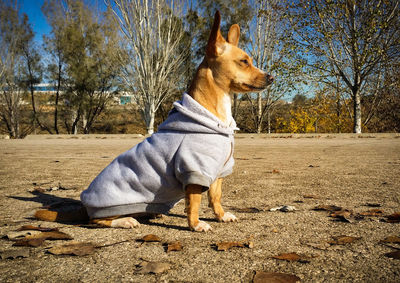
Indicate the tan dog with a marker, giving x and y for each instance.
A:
(225, 69)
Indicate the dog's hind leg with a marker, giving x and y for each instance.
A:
(116, 222)
(214, 199)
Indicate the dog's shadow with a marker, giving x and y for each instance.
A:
(63, 205)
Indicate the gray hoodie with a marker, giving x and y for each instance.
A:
(192, 146)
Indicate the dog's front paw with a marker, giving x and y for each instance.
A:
(202, 227)
(126, 222)
(229, 217)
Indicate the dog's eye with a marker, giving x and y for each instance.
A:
(244, 61)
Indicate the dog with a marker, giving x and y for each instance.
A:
(191, 152)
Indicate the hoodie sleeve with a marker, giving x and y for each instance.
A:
(201, 158)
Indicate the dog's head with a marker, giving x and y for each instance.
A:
(232, 68)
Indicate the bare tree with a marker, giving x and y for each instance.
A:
(350, 39)
(153, 31)
(271, 52)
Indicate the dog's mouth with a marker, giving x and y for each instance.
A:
(253, 87)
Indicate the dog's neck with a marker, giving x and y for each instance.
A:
(210, 95)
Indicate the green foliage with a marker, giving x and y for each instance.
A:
(85, 49)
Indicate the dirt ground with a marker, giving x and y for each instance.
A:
(355, 172)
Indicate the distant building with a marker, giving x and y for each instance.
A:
(125, 99)
(50, 88)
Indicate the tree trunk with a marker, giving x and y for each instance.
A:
(259, 113)
(149, 117)
(357, 111)
(235, 106)
(57, 98)
(75, 119)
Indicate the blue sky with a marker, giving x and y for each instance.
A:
(36, 18)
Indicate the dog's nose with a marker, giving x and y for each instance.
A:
(270, 79)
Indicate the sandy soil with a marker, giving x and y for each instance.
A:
(353, 172)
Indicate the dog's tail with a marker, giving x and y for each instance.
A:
(79, 215)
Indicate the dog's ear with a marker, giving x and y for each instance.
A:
(233, 35)
(216, 42)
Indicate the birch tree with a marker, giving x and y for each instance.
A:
(350, 39)
(153, 31)
(270, 49)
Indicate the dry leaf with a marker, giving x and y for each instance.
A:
(153, 267)
(391, 239)
(29, 242)
(224, 246)
(274, 277)
(53, 235)
(292, 257)
(15, 235)
(372, 212)
(149, 238)
(327, 207)
(393, 218)
(275, 171)
(394, 255)
(342, 240)
(343, 215)
(174, 246)
(13, 254)
(78, 249)
(36, 228)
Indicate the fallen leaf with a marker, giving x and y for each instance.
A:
(174, 246)
(343, 215)
(275, 171)
(13, 254)
(274, 277)
(36, 228)
(224, 246)
(78, 249)
(391, 239)
(149, 238)
(53, 235)
(292, 257)
(327, 207)
(372, 212)
(394, 255)
(393, 218)
(39, 190)
(342, 240)
(15, 235)
(29, 242)
(153, 267)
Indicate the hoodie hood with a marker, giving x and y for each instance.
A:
(190, 116)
